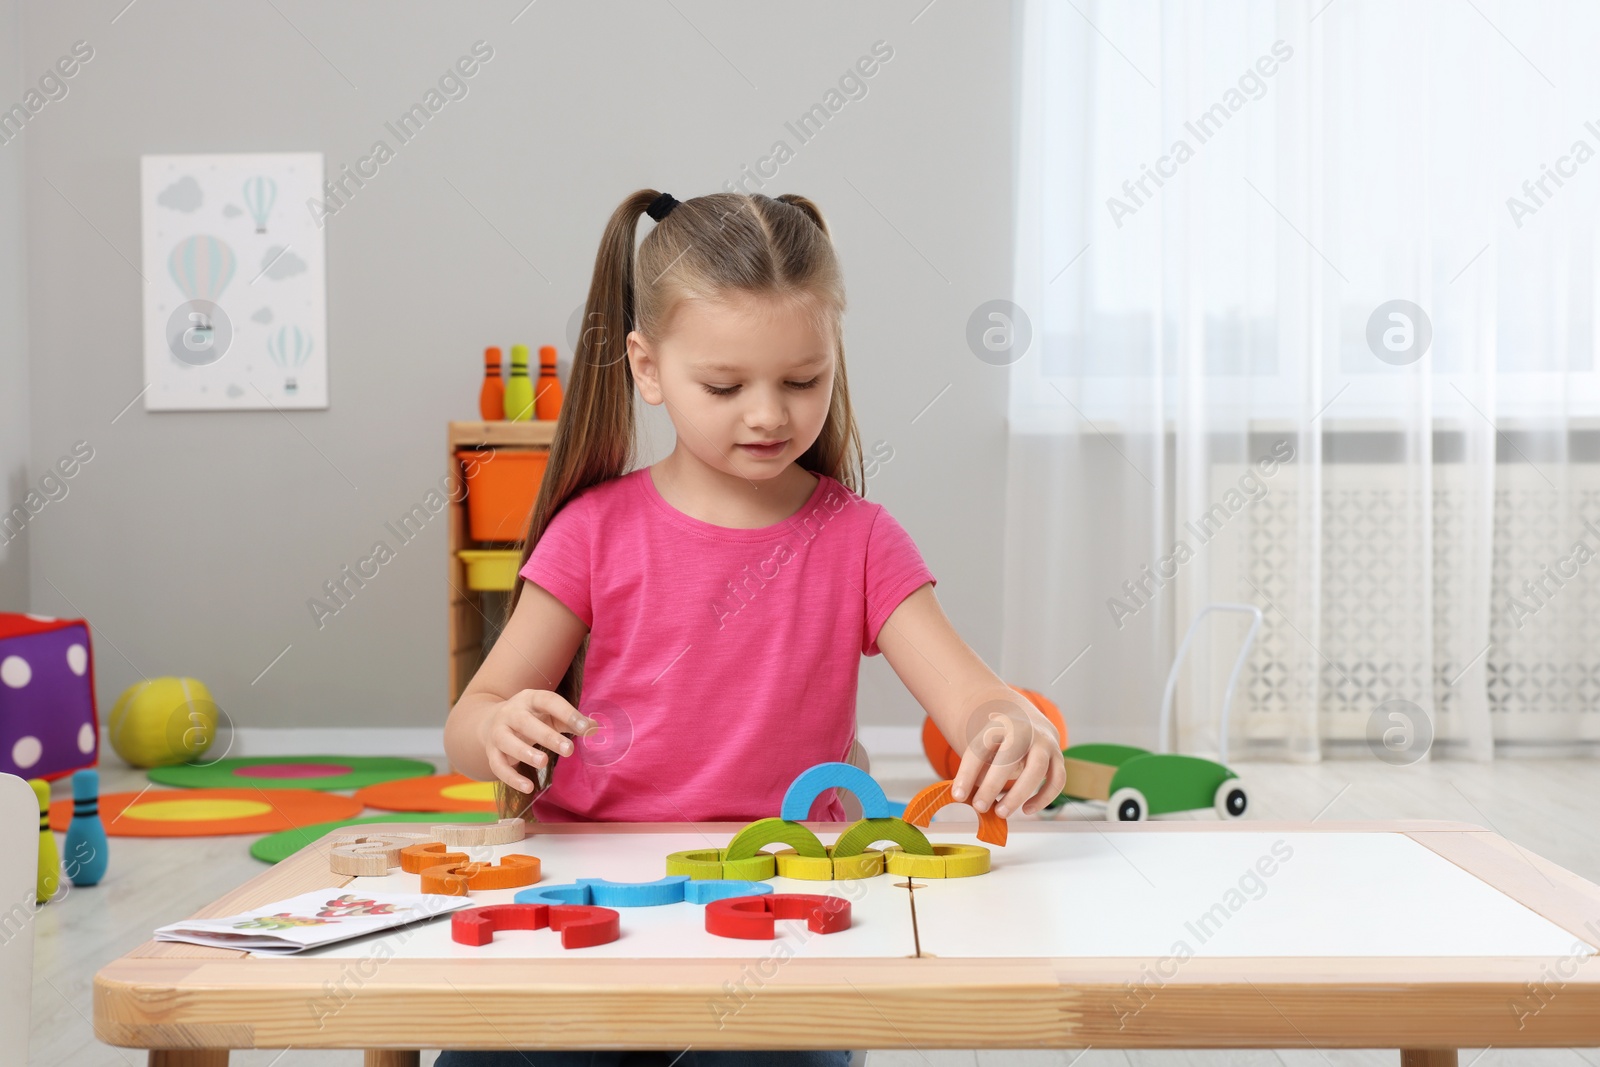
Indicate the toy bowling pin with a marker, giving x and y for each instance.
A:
(492, 397)
(548, 390)
(519, 389)
(86, 853)
(49, 859)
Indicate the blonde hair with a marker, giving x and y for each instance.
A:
(709, 248)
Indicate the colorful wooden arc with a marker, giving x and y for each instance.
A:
(554, 894)
(467, 835)
(947, 861)
(609, 894)
(275, 848)
(709, 889)
(415, 859)
(856, 838)
(713, 863)
(753, 918)
(763, 832)
(920, 808)
(456, 880)
(580, 926)
(811, 783)
(366, 855)
(829, 868)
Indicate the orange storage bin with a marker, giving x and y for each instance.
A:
(501, 489)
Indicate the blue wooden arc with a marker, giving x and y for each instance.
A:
(810, 783)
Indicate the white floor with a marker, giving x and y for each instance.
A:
(1551, 807)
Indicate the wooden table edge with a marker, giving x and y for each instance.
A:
(999, 1002)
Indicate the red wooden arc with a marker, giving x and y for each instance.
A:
(920, 808)
(580, 925)
(752, 917)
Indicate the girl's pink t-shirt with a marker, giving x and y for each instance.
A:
(722, 662)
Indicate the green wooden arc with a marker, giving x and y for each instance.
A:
(764, 832)
(856, 838)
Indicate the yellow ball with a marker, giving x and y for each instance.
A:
(161, 721)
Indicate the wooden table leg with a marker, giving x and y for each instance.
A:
(1427, 1057)
(188, 1057)
(388, 1057)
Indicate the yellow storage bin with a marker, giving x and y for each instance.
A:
(491, 570)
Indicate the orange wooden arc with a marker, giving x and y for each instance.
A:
(920, 808)
(414, 859)
(456, 880)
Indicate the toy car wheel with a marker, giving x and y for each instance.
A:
(1127, 805)
(1231, 799)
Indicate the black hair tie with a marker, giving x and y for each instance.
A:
(661, 206)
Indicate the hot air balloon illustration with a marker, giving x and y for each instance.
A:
(202, 266)
(259, 194)
(289, 348)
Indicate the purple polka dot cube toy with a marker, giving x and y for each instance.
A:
(48, 725)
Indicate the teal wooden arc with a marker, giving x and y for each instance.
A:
(608, 894)
(553, 894)
(809, 785)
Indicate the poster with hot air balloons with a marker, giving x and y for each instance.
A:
(235, 295)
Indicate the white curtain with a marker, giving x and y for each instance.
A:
(1305, 318)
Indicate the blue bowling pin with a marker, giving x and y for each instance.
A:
(85, 853)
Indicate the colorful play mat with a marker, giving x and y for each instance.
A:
(291, 772)
(275, 848)
(206, 812)
(440, 792)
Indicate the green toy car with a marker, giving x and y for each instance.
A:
(1136, 784)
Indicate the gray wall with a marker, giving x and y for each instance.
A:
(15, 470)
(192, 541)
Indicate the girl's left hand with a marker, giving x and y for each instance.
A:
(1013, 756)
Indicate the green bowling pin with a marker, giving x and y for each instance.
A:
(519, 388)
(49, 858)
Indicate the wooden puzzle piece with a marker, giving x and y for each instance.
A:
(477, 926)
(456, 880)
(856, 838)
(753, 918)
(713, 863)
(947, 861)
(554, 894)
(709, 889)
(811, 783)
(467, 835)
(418, 858)
(368, 855)
(829, 868)
(763, 832)
(920, 808)
(606, 893)
(580, 926)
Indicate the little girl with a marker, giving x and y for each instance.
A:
(709, 613)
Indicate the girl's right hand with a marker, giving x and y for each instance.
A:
(532, 717)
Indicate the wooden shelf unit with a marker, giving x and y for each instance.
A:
(473, 615)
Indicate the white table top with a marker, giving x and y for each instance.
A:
(1225, 893)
